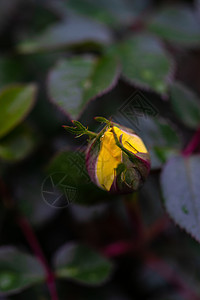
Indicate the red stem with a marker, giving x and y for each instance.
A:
(118, 248)
(171, 276)
(35, 246)
(154, 262)
(193, 144)
(157, 228)
(136, 246)
(30, 237)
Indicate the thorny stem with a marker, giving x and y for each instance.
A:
(193, 144)
(30, 237)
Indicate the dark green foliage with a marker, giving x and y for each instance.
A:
(62, 63)
(82, 264)
(18, 270)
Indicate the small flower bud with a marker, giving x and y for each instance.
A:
(117, 159)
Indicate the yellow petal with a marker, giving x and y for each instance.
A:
(133, 143)
(110, 154)
(108, 160)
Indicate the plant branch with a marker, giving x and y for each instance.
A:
(118, 248)
(157, 228)
(193, 144)
(35, 246)
(133, 247)
(151, 260)
(30, 237)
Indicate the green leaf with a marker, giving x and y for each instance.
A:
(15, 101)
(74, 82)
(72, 31)
(113, 13)
(160, 137)
(71, 164)
(160, 154)
(177, 24)
(185, 104)
(104, 77)
(145, 63)
(82, 264)
(18, 270)
(17, 144)
(67, 82)
(180, 188)
(158, 132)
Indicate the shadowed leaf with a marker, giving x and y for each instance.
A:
(113, 13)
(185, 104)
(15, 102)
(74, 82)
(180, 188)
(145, 63)
(75, 30)
(159, 135)
(18, 270)
(177, 24)
(82, 264)
(18, 144)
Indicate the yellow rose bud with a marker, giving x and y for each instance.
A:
(117, 159)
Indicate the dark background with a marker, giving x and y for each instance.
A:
(164, 261)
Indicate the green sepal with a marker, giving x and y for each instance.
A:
(102, 120)
(131, 156)
(78, 129)
(137, 167)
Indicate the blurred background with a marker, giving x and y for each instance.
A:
(137, 62)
